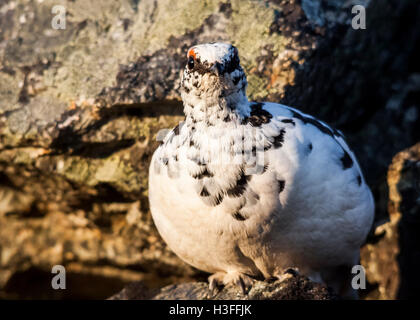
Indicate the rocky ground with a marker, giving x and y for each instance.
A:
(291, 286)
(81, 108)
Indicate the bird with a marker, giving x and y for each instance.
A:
(245, 190)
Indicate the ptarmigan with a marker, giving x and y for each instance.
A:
(246, 189)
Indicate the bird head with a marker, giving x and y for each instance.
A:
(213, 73)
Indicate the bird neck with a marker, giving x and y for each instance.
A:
(216, 110)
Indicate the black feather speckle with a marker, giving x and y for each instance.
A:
(218, 199)
(258, 116)
(240, 186)
(314, 122)
(264, 168)
(204, 174)
(310, 146)
(204, 192)
(288, 121)
(278, 140)
(281, 184)
(346, 160)
(238, 216)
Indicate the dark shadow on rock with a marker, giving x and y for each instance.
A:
(352, 78)
(409, 231)
(70, 140)
(366, 83)
(35, 283)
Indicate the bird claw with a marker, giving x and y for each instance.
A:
(284, 275)
(215, 283)
(220, 279)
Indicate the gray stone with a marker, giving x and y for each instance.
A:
(291, 286)
(80, 109)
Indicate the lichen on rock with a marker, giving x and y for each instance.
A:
(80, 110)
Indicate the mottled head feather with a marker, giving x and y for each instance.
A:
(214, 54)
(213, 81)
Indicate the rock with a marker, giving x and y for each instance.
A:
(292, 286)
(329, 12)
(81, 109)
(404, 195)
(135, 291)
(393, 260)
(368, 91)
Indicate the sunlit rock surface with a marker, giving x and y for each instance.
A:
(80, 109)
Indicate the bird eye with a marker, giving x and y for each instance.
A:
(190, 63)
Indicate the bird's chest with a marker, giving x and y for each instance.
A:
(206, 229)
(203, 197)
(210, 173)
(200, 190)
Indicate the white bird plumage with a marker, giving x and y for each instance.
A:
(243, 189)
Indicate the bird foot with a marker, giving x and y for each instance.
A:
(285, 274)
(220, 279)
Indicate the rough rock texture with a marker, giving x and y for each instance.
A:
(405, 199)
(291, 286)
(81, 108)
(393, 262)
(379, 257)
